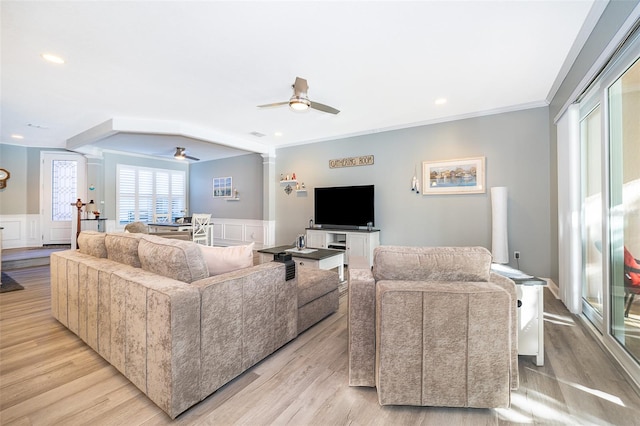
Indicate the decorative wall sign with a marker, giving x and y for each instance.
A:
(222, 187)
(364, 160)
(463, 176)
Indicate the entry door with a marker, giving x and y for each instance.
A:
(63, 176)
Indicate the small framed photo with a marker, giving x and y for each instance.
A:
(222, 187)
(461, 176)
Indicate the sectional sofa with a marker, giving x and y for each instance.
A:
(149, 306)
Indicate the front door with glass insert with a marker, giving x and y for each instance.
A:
(63, 176)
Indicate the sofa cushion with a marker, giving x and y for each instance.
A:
(226, 259)
(180, 260)
(123, 248)
(431, 263)
(92, 243)
(315, 283)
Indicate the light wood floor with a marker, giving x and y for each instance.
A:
(49, 376)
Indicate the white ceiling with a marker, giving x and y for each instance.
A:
(194, 72)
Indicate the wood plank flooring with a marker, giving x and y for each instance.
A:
(49, 376)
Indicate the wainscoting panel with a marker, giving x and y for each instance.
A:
(21, 230)
(230, 232)
(254, 234)
(218, 230)
(233, 232)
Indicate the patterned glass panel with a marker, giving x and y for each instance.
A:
(64, 189)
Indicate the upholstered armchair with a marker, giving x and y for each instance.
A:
(432, 326)
(137, 228)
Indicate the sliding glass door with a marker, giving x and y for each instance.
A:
(591, 143)
(610, 182)
(624, 189)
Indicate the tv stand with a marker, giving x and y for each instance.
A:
(354, 242)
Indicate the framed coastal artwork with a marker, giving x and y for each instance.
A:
(222, 187)
(461, 176)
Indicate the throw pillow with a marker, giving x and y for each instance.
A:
(226, 259)
(92, 243)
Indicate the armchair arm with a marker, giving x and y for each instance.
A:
(362, 325)
(510, 287)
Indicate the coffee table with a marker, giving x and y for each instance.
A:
(309, 258)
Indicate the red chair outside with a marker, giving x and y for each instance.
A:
(631, 280)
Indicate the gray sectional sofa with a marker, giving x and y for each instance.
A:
(148, 306)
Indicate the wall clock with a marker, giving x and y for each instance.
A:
(4, 175)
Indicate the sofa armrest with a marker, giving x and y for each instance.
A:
(147, 326)
(443, 343)
(510, 287)
(362, 325)
(155, 336)
(246, 315)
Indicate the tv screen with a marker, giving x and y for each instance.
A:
(344, 206)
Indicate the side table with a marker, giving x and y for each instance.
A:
(530, 291)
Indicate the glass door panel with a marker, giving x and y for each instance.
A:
(624, 175)
(592, 289)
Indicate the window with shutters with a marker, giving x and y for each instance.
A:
(143, 193)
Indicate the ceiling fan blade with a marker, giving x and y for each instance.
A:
(191, 158)
(274, 104)
(300, 87)
(324, 108)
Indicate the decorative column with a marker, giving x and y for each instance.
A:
(499, 234)
(269, 196)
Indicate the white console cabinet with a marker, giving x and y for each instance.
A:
(530, 293)
(357, 243)
(531, 321)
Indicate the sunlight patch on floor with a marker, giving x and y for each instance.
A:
(559, 319)
(595, 392)
(539, 410)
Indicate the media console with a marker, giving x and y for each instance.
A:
(354, 242)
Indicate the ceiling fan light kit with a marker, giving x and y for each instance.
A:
(180, 154)
(300, 102)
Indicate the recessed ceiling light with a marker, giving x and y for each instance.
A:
(17, 136)
(277, 134)
(52, 58)
(440, 101)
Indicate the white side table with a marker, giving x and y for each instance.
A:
(530, 292)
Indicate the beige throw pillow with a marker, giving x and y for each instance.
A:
(226, 259)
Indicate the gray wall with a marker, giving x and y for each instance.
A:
(22, 194)
(516, 147)
(246, 171)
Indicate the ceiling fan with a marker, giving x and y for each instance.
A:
(300, 101)
(180, 154)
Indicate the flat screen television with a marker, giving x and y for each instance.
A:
(344, 206)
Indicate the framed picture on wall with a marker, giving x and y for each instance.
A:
(461, 176)
(222, 187)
